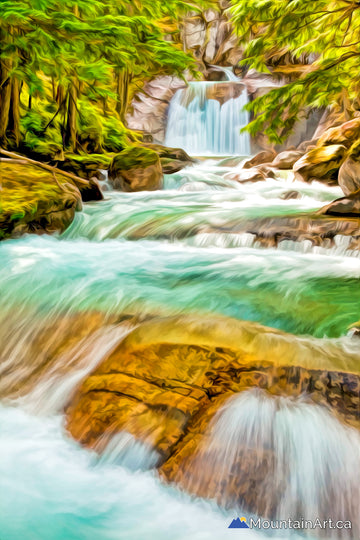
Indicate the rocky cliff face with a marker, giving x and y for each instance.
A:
(209, 36)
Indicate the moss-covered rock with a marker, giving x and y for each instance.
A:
(85, 166)
(136, 169)
(34, 200)
(172, 159)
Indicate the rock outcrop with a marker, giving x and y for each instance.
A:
(345, 206)
(136, 169)
(165, 382)
(150, 106)
(349, 176)
(210, 37)
(321, 163)
(335, 149)
(172, 159)
(34, 200)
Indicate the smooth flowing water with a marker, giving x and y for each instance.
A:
(206, 118)
(149, 254)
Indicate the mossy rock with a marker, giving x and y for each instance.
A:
(133, 157)
(136, 169)
(34, 200)
(172, 159)
(85, 166)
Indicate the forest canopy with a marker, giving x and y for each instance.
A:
(69, 68)
(315, 44)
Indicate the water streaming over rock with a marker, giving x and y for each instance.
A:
(206, 118)
(302, 461)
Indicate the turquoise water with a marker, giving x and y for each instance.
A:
(148, 254)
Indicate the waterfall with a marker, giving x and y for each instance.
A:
(206, 118)
(281, 456)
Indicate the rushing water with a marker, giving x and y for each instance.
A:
(134, 255)
(203, 124)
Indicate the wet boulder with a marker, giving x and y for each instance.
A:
(286, 159)
(346, 206)
(265, 156)
(255, 174)
(172, 159)
(291, 194)
(321, 163)
(349, 175)
(166, 382)
(136, 169)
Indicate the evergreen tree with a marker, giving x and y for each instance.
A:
(69, 68)
(320, 41)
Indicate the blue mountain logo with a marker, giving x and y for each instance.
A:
(238, 523)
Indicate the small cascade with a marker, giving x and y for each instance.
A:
(206, 118)
(279, 458)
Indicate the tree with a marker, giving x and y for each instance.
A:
(321, 42)
(69, 69)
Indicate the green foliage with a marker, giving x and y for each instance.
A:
(314, 44)
(76, 64)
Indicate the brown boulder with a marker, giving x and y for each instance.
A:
(136, 169)
(345, 134)
(154, 386)
(349, 176)
(246, 175)
(265, 156)
(321, 163)
(168, 379)
(346, 206)
(286, 159)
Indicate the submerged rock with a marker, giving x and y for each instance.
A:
(254, 174)
(136, 169)
(292, 194)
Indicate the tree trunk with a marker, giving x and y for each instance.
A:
(122, 91)
(5, 100)
(14, 115)
(71, 129)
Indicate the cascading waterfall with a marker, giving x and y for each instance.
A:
(286, 457)
(206, 118)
